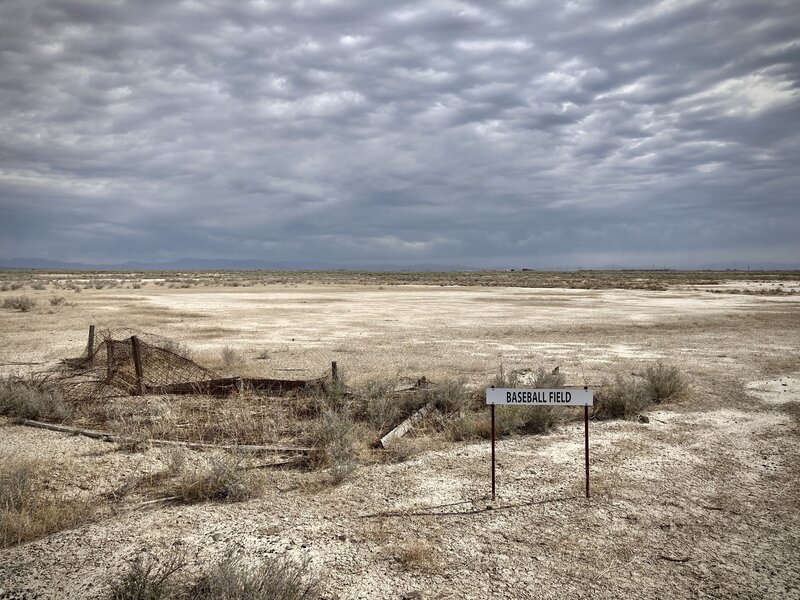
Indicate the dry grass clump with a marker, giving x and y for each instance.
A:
(231, 358)
(619, 398)
(27, 400)
(336, 441)
(272, 578)
(26, 512)
(380, 408)
(147, 578)
(626, 396)
(468, 426)
(223, 479)
(238, 419)
(532, 419)
(665, 383)
(473, 423)
(20, 303)
(449, 396)
(400, 450)
(418, 555)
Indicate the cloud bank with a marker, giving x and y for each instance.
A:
(488, 134)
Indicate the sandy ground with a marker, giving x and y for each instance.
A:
(703, 501)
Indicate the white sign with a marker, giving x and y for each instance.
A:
(532, 397)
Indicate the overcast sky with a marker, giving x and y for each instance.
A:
(539, 134)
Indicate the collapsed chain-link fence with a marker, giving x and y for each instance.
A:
(124, 362)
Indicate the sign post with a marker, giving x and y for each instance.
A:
(543, 397)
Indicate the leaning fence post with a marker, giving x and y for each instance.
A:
(90, 344)
(137, 364)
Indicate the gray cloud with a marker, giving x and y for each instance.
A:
(513, 133)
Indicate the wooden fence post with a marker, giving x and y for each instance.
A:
(334, 372)
(137, 364)
(90, 344)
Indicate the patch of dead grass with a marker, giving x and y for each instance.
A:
(27, 511)
(419, 555)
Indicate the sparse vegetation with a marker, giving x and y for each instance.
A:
(20, 303)
(57, 300)
(26, 400)
(26, 512)
(418, 555)
(621, 397)
(664, 383)
(223, 479)
(147, 578)
(335, 440)
(627, 396)
(448, 396)
(267, 578)
(231, 358)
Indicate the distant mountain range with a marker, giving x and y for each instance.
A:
(221, 264)
(205, 264)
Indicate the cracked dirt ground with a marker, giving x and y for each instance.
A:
(703, 501)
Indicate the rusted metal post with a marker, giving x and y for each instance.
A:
(90, 344)
(334, 372)
(493, 469)
(586, 444)
(137, 364)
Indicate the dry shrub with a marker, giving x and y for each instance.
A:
(528, 419)
(381, 408)
(625, 396)
(549, 379)
(175, 458)
(223, 479)
(468, 426)
(273, 578)
(147, 578)
(57, 300)
(26, 513)
(449, 396)
(400, 450)
(20, 303)
(335, 441)
(664, 383)
(27, 400)
(231, 358)
(619, 398)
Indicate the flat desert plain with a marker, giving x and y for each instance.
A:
(700, 501)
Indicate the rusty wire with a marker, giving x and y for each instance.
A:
(109, 370)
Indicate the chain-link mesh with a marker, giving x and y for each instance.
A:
(110, 370)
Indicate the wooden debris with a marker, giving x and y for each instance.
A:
(406, 426)
(229, 385)
(110, 437)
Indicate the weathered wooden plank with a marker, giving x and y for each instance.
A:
(406, 426)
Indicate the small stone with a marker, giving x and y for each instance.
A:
(218, 537)
(415, 595)
(643, 419)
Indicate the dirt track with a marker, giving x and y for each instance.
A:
(702, 501)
